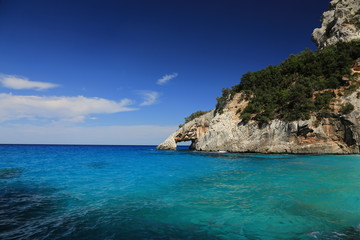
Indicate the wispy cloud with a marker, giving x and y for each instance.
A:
(15, 82)
(150, 97)
(72, 109)
(166, 78)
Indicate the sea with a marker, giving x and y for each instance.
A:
(137, 192)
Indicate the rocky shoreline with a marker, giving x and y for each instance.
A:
(323, 133)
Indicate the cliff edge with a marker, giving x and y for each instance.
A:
(340, 23)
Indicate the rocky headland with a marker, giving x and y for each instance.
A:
(327, 125)
(340, 23)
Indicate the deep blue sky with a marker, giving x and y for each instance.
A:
(119, 49)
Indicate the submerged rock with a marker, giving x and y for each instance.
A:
(97, 165)
(10, 173)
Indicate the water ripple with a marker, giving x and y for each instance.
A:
(112, 192)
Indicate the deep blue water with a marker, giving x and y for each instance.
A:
(137, 192)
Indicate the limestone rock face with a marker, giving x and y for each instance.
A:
(191, 131)
(323, 133)
(340, 23)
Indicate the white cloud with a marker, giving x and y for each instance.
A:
(14, 82)
(166, 78)
(58, 134)
(73, 109)
(150, 97)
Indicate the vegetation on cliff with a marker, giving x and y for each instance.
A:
(298, 86)
(193, 116)
(356, 19)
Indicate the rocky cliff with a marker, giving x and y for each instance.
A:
(340, 23)
(326, 132)
(331, 133)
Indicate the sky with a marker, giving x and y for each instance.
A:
(128, 72)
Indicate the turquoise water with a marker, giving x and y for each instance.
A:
(137, 192)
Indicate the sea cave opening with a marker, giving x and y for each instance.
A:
(184, 145)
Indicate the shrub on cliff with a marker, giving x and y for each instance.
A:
(356, 19)
(347, 108)
(193, 116)
(286, 91)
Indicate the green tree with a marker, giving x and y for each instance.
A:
(287, 91)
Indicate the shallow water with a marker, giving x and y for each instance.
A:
(137, 192)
